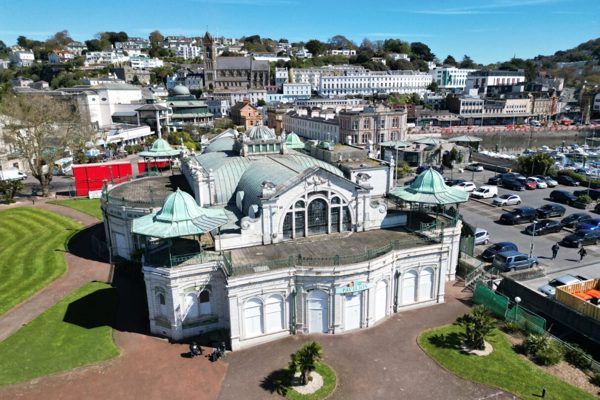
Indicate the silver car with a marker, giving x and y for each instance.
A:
(549, 289)
(506, 200)
(481, 236)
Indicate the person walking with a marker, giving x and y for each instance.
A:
(555, 250)
(582, 253)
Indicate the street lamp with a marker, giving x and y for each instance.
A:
(532, 236)
(517, 301)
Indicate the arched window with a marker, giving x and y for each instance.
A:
(253, 316)
(274, 313)
(190, 310)
(161, 301)
(409, 287)
(204, 302)
(426, 284)
(317, 217)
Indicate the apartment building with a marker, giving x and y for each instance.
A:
(483, 79)
(375, 82)
(313, 75)
(450, 78)
(319, 126)
(372, 125)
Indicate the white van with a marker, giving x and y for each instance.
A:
(485, 192)
(535, 123)
(12, 174)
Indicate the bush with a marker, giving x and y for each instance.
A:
(595, 379)
(584, 199)
(511, 327)
(550, 355)
(575, 356)
(478, 325)
(534, 343)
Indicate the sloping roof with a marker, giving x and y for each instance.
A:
(179, 216)
(242, 63)
(221, 144)
(227, 170)
(292, 141)
(430, 141)
(151, 107)
(465, 139)
(429, 188)
(260, 132)
(397, 144)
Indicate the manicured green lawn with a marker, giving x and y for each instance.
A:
(503, 368)
(329, 385)
(32, 246)
(85, 205)
(74, 332)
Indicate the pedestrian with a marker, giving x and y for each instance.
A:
(555, 250)
(582, 253)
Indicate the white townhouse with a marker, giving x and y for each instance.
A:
(375, 82)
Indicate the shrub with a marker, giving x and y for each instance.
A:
(478, 325)
(534, 343)
(595, 379)
(550, 355)
(511, 327)
(575, 356)
(584, 199)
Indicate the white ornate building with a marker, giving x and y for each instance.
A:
(271, 242)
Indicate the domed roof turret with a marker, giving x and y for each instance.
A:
(260, 132)
(180, 90)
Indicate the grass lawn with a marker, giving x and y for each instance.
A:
(32, 245)
(85, 205)
(503, 368)
(74, 332)
(329, 385)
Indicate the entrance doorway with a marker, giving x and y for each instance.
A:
(318, 312)
(352, 312)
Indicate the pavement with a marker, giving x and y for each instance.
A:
(381, 362)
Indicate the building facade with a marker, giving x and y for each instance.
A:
(372, 125)
(483, 79)
(253, 190)
(450, 78)
(21, 57)
(245, 114)
(312, 128)
(375, 82)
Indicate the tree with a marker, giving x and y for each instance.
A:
(450, 61)
(156, 38)
(59, 40)
(421, 51)
(396, 46)
(305, 359)
(98, 45)
(315, 46)
(261, 103)
(467, 62)
(433, 86)
(341, 42)
(536, 164)
(478, 325)
(39, 128)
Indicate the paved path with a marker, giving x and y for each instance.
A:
(79, 272)
(383, 362)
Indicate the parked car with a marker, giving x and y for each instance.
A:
(549, 289)
(562, 196)
(591, 225)
(593, 193)
(550, 181)
(530, 185)
(519, 215)
(481, 236)
(567, 180)
(543, 227)
(485, 192)
(494, 180)
(466, 186)
(597, 208)
(12, 174)
(454, 182)
(474, 167)
(539, 183)
(513, 260)
(512, 184)
(507, 200)
(572, 220)
(489, 253)
(581, 238)
(550, 210)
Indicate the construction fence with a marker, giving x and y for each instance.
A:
(500, 306)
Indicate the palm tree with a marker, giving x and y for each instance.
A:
(304, 360)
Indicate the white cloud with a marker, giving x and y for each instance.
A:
(492, 7)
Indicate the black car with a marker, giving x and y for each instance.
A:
(597, 208)
(567, 180)
(581, 238)
(494, 180)
(550, 210)
(454, 182)
(519, 215)
(562, 196)
(512, 184)
(543, 227)
(593, 193)
(489, 253)
(572, 220)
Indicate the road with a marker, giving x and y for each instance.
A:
(482, 215)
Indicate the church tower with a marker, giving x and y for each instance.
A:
(210, 60)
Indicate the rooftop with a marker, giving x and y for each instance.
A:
(147, 192)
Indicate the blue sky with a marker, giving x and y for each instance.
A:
(486, 30)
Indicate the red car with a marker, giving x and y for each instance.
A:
(530, 185)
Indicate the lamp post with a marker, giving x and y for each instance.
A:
(517, 301)
(532, 236)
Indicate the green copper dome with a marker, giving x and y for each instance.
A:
(160, 148)
(260, 132)
(179, 216)
(292, 141)
(429, 187)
